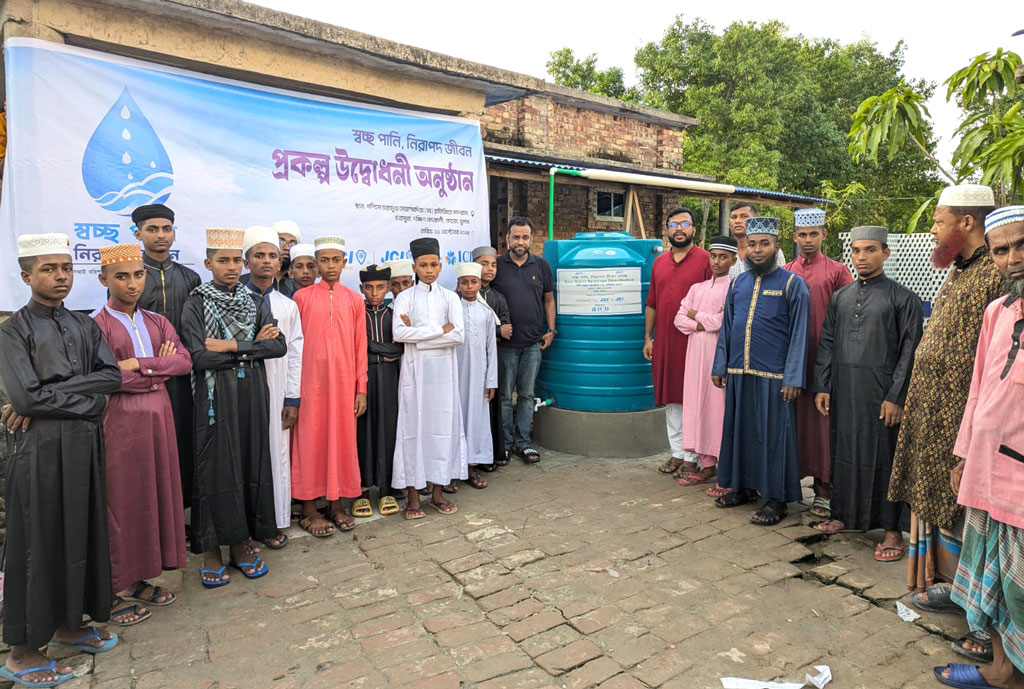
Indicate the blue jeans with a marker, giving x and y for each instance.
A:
(518, 368)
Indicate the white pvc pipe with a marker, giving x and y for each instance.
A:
(649, 180)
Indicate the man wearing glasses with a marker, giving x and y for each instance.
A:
(672, 275)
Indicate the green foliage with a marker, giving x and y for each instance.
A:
(888, 119)
(583, 74)
(975, 84)
(774, 110)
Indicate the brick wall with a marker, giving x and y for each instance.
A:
(546, 126)
(575, 209)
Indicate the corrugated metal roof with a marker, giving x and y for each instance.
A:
(740, 191)
(781, 195)
(537, 163)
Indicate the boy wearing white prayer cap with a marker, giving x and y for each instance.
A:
(57, 562)
(478, 370)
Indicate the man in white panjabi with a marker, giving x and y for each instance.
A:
(262, 258)
(478, 370)
(431, 444)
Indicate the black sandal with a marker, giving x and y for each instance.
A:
(771, 513)
(733, 499)
(505, 459)
(486, 467)
(529, 455)
(938, 600)
(982, 638)
(476, 481)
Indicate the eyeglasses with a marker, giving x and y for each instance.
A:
(287, 242)
(684, 224)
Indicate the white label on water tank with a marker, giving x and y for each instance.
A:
(599, 291)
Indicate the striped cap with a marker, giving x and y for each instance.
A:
(809, 217)
(723, 243)
(763, 224)
(224, 238)
(1003, 216)
(120, 253)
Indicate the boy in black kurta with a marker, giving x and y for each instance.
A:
(486, 256)
(375, 430)
(57, 371)
(861, 376)
(229, 334)
(168, 284)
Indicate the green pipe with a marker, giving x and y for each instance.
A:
(551, 195)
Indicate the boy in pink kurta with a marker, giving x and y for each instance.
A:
(146, 524)
(700, 318)
(325, 457)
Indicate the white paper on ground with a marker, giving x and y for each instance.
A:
(823, 677)
(905, 613)
(819, 680)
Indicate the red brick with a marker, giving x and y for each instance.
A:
(379, 625)
(464, 564)
(592, 674)
(452, 620)
(495, 666)
(535, 624)
(467, 634)
(597, 620)
(569, 657)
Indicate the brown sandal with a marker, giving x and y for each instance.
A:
(670, 466)
(337, 518)
(307, 525)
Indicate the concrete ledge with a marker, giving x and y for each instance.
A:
(601, 434)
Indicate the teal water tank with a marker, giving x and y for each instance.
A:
(596, 363)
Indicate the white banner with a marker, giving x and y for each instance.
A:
(92, 136)
(599, 291)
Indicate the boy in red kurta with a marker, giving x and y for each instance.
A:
(146, 525)
(823, 276)
(325, 457)
(672, 275)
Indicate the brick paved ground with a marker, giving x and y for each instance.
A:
(497, 597)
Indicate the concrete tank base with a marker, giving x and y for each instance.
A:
(601, 434)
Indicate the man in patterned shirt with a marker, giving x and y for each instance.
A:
(941, 379)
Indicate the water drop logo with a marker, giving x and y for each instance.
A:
(125, 165)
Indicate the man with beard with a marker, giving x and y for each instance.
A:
(672, 276)
(738, 228)
(760, 360)
(529, 288)
(938, 391)
(823, 276)
(989, 480)
(168, 284)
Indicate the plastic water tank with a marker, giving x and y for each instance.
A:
(596, 363)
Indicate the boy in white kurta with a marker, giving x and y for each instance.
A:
(263, 259)
(431, 443)
(478, 370)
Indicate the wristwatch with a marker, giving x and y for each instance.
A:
(552, 331)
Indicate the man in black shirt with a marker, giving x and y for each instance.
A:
(529, 287)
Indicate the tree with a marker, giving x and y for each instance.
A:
(892, 118)
(584, 75)
(774, 110)
(991, 136)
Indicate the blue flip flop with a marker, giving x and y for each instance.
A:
(962, 676)
(16, 677)
(94, 633)
(259, 568)
(213, 584)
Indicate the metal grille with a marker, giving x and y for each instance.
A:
(909, 264)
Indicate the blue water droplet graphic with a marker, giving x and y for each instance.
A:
(125, 148)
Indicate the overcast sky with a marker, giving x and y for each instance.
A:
(520, 35)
